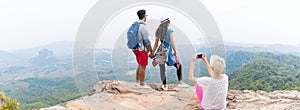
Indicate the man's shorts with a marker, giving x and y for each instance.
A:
(141, 57)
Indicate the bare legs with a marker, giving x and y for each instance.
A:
(137, 74)
(140, 75)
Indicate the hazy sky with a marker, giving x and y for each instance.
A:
(29, 23)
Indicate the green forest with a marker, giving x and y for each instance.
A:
(45, 92)
(267, 72)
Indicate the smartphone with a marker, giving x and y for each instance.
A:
(199, 56)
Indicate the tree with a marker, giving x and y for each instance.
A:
(7, 104)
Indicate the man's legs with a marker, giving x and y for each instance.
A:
(142, 75)
(137, 74)
(142, 60)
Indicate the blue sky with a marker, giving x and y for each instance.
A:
(29, 23)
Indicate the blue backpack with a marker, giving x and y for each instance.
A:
(132, 35)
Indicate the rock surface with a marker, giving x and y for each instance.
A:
(120, 95)
(261, 100)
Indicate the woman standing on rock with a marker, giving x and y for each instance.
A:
(215, 87)
(166, 36)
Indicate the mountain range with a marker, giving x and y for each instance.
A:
(27, 71)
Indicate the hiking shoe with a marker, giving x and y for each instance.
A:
(164, 88)
(183, 85)
(144, 87)
(136, 84)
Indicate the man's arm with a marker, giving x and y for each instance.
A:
(145, 38)
(148, 46)
(150, 49)
(191, 74)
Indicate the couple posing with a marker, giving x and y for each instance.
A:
(211, 91)
(163, 33)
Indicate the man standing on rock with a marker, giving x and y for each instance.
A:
(141, 52)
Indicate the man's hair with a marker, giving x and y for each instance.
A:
(217, 63)
(141, 13)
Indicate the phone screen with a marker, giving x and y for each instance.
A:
(199, 56)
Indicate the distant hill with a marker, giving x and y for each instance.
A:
(268, 72)
(8, 58)
(237, 59)
(62, 49)
(272, 48)
(5, 56)
(45, 57)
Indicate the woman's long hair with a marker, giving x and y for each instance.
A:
(161, 31)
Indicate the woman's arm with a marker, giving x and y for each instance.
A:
(173, 44)
(208, 67)
(191, 74)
